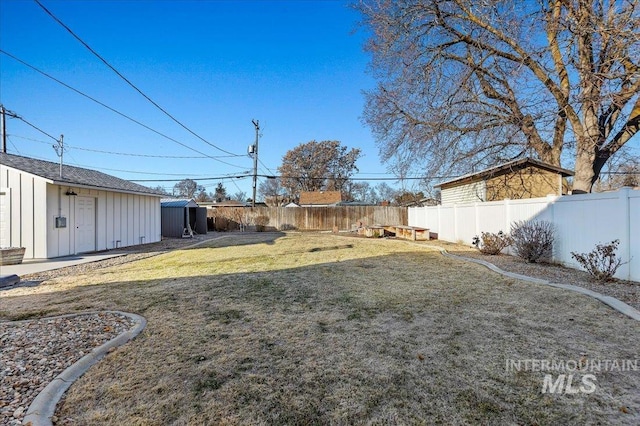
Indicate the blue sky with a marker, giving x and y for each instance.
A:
(296, 66)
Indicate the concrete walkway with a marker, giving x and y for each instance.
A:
(32, 266)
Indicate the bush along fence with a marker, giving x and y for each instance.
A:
(341, 218)
(580, 223)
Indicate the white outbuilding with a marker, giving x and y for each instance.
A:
(54, 211)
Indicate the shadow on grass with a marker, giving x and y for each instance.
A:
(401, 338)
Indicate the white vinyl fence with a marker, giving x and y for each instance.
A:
(581, 222)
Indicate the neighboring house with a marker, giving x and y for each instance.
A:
(181, 214)
(224, 203)
(319, 198)
(81, 211)
(518, 179)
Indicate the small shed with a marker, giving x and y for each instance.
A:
(518, 179)
(178, 215)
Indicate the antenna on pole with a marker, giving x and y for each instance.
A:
(60, 151)
(254, 152)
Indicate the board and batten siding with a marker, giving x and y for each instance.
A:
(23, 201)
(468, 193)
(121, 219)
(29, 206)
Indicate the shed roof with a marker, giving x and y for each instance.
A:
(74, 176)
(178, 202)
(504, 168)
(309, 198)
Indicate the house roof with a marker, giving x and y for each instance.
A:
(178, 202)
(73, 176)
(310, 198)
(506, 168)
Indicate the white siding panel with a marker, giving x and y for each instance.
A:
(40, 219)
(15, 183)
(5, 212)
(634, 235)
(466, 223)
(117, 220)
(101, 221)
(464, 194)
(130, 238)
(447, 230)
(495, 219)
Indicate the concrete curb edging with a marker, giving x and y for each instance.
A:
(614, 303)
(43, 406)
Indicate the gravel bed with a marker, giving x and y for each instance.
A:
(626, 291)
(34, 352)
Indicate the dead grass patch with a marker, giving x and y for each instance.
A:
(304, 330)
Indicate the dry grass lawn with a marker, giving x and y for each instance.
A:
(322, 329)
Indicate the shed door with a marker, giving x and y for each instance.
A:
(85, 224)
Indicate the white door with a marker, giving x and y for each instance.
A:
(85, 224)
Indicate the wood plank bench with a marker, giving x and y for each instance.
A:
(413, 233)
(371, 231)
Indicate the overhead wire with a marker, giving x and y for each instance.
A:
(128, 154)
(12, 114)
(128, 81)
(13, 145)
(216, 158)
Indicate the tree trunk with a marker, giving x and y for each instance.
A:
(585, 176)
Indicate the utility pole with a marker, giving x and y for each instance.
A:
(3, 122)
(256, 124)
(60, 151)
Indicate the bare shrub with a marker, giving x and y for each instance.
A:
(601, 262)
(261, 222)
(533, 240)
(490, 243)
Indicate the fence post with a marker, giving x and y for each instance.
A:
(625, 240)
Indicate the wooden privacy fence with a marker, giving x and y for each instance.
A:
(305, 218)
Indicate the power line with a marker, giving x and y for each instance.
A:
(129, 82)
(216, 158)
(14, 115)
(71, 147)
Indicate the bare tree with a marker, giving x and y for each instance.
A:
(187, 188)
(386, 192)
(221, 192)
(240, 196)
(160, 190)
(315, 166)
(625, 172)
(202, 196)
(271, 192)
(463, 84)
